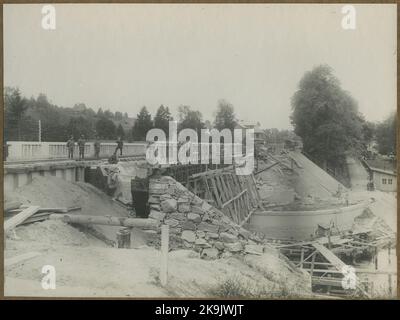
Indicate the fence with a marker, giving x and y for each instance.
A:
(27, 150)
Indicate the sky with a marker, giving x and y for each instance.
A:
(124, 56)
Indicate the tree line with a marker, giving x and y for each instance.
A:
(22, 117)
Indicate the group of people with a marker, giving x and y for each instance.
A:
(81, 145)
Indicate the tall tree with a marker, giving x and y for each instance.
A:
(78, 126)
(386, 135)
(190, 119)
(120, 132)
(225, 116)
(100, 112)
(142, 125)
(162, 118)
(15, 106)
(326, 117)
(105, 128)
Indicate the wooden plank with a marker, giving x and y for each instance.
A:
(234, 198)
(207, 188)
(222, 192)
(17, 259)
(232, 192)
(20, 217)
(56, 210)
(164, 254)
(11, 205)
(228, 191)
(330, 256)
(216, 193)
(269, 167)
(335, 261)
(212, 172)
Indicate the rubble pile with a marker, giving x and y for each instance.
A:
(195, 224)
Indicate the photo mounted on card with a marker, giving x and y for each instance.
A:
(200, 151)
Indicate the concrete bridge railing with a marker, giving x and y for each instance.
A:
(28, 150)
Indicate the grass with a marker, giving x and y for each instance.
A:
(238, 287)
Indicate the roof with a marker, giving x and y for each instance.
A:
(382, 166)
(392, 173)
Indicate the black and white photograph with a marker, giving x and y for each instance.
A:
(207, 151)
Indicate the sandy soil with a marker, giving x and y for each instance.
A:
(55, 192)
(86, 267)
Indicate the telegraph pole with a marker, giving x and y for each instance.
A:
(40, 131)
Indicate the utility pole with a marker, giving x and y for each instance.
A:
(40, 131)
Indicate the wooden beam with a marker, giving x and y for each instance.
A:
(234, 198)
(107, 220)
(269, 167)
(20, 217)
(11, 205)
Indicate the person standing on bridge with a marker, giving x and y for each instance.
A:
(97, 148)
(120, 145)
(71, 146)
(81, 145)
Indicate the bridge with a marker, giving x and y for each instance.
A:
(26, 160)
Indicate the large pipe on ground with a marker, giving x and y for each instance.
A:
(107, 220)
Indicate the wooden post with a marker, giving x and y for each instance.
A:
(164, 254)
(389, 258)
(301, 258)
(124, 238)
(376, 258)
(329, 239)
(390, 284)
(312, 263)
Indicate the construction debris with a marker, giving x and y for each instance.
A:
(201, 226)
(19, 218)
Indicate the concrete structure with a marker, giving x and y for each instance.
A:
(21, 174)
(17, 175)
(29, 150)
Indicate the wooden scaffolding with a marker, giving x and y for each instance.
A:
(235, 195)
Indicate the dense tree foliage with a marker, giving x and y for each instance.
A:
(190, 119)
(57, 123)
(120, 132)
(386, 135)
(143, 124)
(326, 117)
(225, 116)
(105, 128)
(15, 108)
(162, 118)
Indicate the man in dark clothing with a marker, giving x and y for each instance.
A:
(70, 147)
(81, 145)
(97, 148)
(120, 144)
(113, 159)
(140, 191)
(140, 196)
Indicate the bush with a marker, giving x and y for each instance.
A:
(238, 287)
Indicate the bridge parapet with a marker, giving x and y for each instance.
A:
(30, 150)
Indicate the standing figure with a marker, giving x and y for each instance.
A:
(71, 146)
(140, 193)
(97, 148)
(81, 145)
(120, 144)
